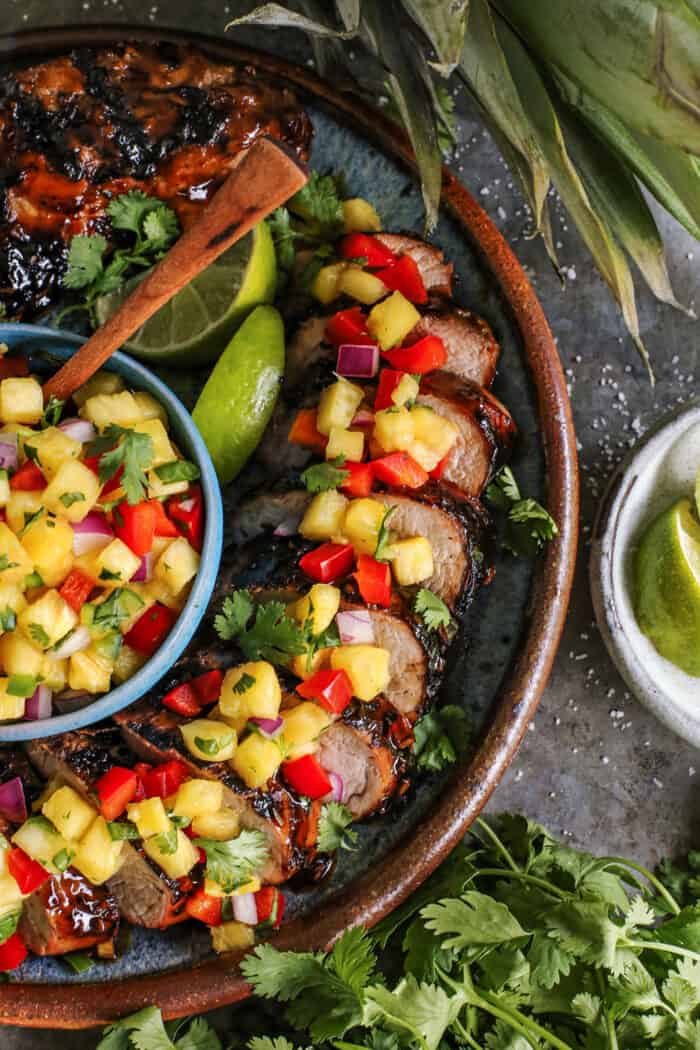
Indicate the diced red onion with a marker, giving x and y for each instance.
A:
(91, 534)
(13, 804)
(269, 727)
(145, 570)
(337, 792)
(187, 505)
(79, 429)
(360, 362)
(363, 418)
(355, 627)
(73, 700)
(8, 455)
(38, 706)
(76, 641)
(245, 909)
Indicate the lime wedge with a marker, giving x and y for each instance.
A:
(237, 401)
(197, 323)
(667, 584)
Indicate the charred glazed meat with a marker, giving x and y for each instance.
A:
(77, 130)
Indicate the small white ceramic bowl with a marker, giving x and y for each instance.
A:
(658, 470)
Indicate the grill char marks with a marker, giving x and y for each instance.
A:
(77, 130)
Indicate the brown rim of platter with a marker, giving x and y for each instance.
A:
(218, 982)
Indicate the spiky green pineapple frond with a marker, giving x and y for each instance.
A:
(587, 97)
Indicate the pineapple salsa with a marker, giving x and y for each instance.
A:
(101, 524)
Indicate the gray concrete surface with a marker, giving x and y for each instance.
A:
(594, 766)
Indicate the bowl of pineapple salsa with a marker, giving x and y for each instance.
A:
(110, 536)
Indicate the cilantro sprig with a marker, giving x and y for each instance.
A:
(262, 631)
(334, 831)
(528, 525)
(235, 862)
(322, 477)
(432, 610)
(128, 450)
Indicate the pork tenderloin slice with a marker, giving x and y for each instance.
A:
(367, 768)
(447, 538)
(408, 664)
(145, 895)
(68, 914)
(153, 733)
(305, 349)
(436, 273)
(472, 350)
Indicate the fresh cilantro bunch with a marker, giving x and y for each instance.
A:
(528, 525)
(151, 226)
(516, 943)
(262, 631)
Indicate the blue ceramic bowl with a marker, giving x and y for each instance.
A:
(47, 349)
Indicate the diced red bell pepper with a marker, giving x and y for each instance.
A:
(115, 790)
(187, 511)
(204, 908)
(207, 686)
(359, 481)
(374, 580)
(93, 463)
(331, 689)
(77, 588)
(28, 874)
(307, 777)
(12, 365)
(304, 431)
(150, 629)
(269, 902)
(423, 356)
(164, 780)
(183, 700)
(348, 326)
(398, 468)
(164, 526)
(135, 525)
(364, 246)
(405, 277)
(13, 952)
(28, 478)
(328, 562)
(437, 472)
(389, 379)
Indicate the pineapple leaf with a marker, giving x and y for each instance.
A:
(276, 16)
(349, 11)
(445, 25)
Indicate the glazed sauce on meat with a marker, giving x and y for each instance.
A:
(79, 130)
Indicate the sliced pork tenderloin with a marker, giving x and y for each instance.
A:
(472, 350)
(68, 914)
(436, 273)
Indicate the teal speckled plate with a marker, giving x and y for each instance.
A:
(500, 662)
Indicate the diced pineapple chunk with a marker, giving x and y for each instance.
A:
(363, 520)
(158, 591)
(10, 895)
(209, 741)
(350, 444)
(52, 448)
(72, 492)
(407, 389)
(256, 760)
(116, 564)
(103, 409)
(304, 668)
(177, 565)
(98, 857)
(158, 489)
(325, 286)
(360, 217)
(390, 321)
(128, 662)
(86, 672)
(324, 516)
(214, 889)
(11, 707)
(251, 689)
(367, 667)
(198, 798)
(5, 490)
(21, 400)
(12, 598)
(360, 285)
(149, 817)
(412, 560)
(19, 656)
(150, 407)
(394, 429)
(40, 841)
(434, 436)
(55, 673)
(15, 563)
(303, 724)
(21, 506)
(320, 604)
(101, 383)
(163, 451)
(337, 405)
(221, 826)
(175, 865)
(231, 937)
(49, 543)
(237, 721)
(47, 620)
(70, 814)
